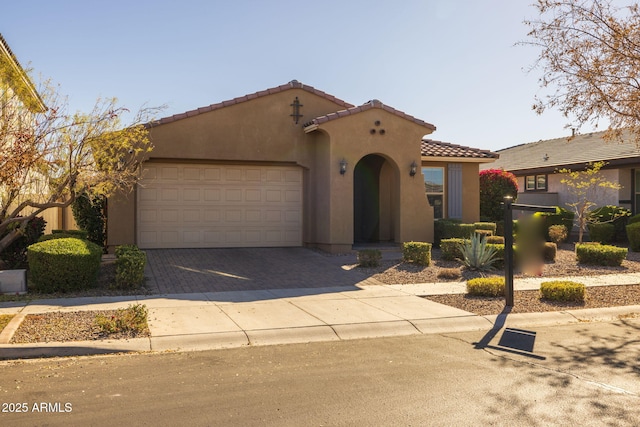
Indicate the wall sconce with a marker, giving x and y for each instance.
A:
(343, 166)
(413, 169)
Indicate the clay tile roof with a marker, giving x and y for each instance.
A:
(364, 107)
(293, 84)
(431, 148)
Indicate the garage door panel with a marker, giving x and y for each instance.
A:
(219, 206)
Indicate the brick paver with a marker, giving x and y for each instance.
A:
(234, 269)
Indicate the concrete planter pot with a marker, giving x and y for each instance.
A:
(13, 282)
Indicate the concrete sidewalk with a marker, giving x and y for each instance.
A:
(212, 320)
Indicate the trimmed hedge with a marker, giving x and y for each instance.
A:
(451, 228)
(614, 215)
(598, 254)
(561, 216)
(417, 252)
(62, 265)
(549, 252)
(130, 263)
(604, 232)
(633, 219)
(450, 249)
(489, 226)
(369, 257)
(633, 234)
(562, 290)
(496, 240)
(486, 286)
(81, 234)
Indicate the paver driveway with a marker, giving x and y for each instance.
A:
(233, 269)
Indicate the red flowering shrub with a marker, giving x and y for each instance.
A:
(495, 184)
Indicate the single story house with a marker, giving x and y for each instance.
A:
(535, 165)
(294, 166)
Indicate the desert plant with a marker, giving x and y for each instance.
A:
(598, 254)
(130, 263)
(450, 249)
(601, 232)
(449, 273)
(476, 254)
(417, 252)
(633, 234)
(558, 233)
(131, 319)
(486, 286)
(562, 290)
(369, 257)
(495, 184)
(62, 265)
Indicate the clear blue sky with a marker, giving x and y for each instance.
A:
(452, 63)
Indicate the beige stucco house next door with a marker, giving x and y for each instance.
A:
(288, 166)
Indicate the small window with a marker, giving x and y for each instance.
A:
(541, 182)
(434, 189)
(535, 183)
(531, 183)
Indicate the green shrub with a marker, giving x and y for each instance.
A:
(633, 219)
(496, 240)
(486, 286)
(130, 319)
(562, 290)
(418, 252)
(633, 234)
(489, 226)
(441, 229)
(598, 254)
(558, 234)
(477, 255)
(549, 252)
(89, 213)
(80, 234)
(615, 215)
(62, 265)
(495, 184)
(500, 227)
(369, 257)
(485, 233)
(561, 216)
(450, 249)
(54, 236)
(602, 232)
(15, 255)
(130, 263)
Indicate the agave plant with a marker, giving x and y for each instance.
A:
(476, 254)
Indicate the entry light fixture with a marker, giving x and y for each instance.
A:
(343, 166)
(413, 169)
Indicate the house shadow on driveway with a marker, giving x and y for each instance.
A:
(181, 271)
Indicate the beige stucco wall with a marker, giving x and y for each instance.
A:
(262, 130)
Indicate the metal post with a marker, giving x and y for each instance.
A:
(508, 250)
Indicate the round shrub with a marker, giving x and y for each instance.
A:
(369, 257)
(495, 184)
(598, 254)
(486, 286)
(633, 234)
(63, 265)
(130, 263)
(562, 290)
(558, 233)
(602, 232)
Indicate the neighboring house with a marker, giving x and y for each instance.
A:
(294, 166)
(536, 164)
(19, 103)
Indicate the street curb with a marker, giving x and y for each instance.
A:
(75, 348)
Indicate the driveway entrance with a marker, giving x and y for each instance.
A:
(238, 269)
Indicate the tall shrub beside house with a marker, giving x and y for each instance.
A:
(495, 184)
(89, 213)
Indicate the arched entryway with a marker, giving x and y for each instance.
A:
(375, 204)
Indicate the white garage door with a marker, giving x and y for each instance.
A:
(208, 206)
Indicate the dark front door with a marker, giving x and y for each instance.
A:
(366, 199)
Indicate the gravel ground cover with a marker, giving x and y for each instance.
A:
(74, 326)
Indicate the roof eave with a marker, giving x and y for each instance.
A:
(457, 159)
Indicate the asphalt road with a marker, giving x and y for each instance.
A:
(583, 374)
